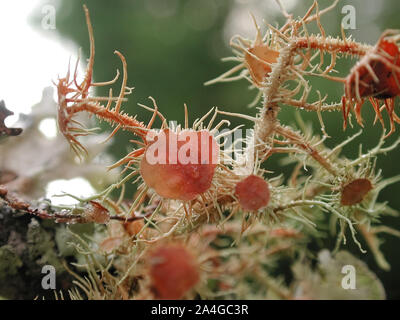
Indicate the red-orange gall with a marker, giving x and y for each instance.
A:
(252, 193)
(173, 271)
(180, 166)
(355, 191)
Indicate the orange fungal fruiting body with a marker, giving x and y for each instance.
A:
(134, 227)
(376, 77)
(252, 193)
(389, 85)
(258, 62)
(355, 191)
(173, 271)
(385, 86)
(181, 166)
(96, 212)
(110, 244)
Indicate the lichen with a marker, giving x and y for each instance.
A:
(9, 262)
(248, 242)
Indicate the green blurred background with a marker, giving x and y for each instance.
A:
(173, 46)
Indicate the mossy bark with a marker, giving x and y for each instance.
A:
(26, 245)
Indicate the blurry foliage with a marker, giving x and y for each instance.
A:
(173, 46)
(31, 178)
